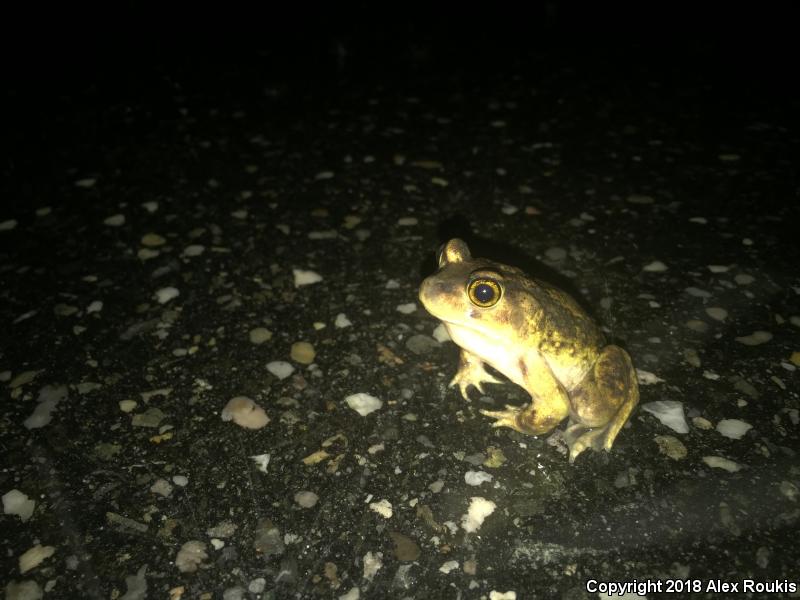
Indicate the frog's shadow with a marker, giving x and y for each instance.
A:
(481, 247)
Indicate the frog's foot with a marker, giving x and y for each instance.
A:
(506, 418)
(580, 438)
(471, 372)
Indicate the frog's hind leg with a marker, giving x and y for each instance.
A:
(602, 403)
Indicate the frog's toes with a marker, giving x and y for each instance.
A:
(504, 418)
(580, 438)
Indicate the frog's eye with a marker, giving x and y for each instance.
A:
(484, 292)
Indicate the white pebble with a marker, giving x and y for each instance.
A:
(670, 413)
(33, 557)
(8, 225)
(86, 182)
(259, 335)
(322, 175)
(655, 267)
(698, 293)
(372, 564)
(280, 368)
(180, 480)
(733, 428)
(440, 333)
(306, 499)
(647, 378)
(555, 254)
(363, 403)
(717, 313)
(162, 487)
(718, 268)
(245, 413)
(698, 220)
(407, 221)
(115, 220)
(718, 462)
(262, 461)
(342, 321)
(450, 565)
(329, 234)
(94, 307)
(150, 206)
(754, 339)
(189, 557)
(494, 595)
(382, 507)
(476, 477)
(407, 309)
(509, 209)
(166, 294)
(744, 279)
(302, 277)
(352, 594)
(17, 503)
(479, 509)
(194, 250)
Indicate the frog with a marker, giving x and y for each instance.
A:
(538, 337)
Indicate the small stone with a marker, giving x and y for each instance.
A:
(405, 549)
(8, 225)
(166, 294)
(718, 268)
(733, 428)
(23, 378)
(151, 418)
(115, 220)
(382, 507)
(162, 487)
(262, 461)
(64, 310)
(302, 277)
(407, 221)
(477, 477)
(744, 279)
(697, 292)
(407, 309)
(671, 446)
(127, 406)
(718, 462)
(280, 368)
(153, 240)
(151, 206)
(245, 412)
(756, 338)
(670, 413)
(341, 321)
(795, 358)
(352, 221)
(479, 509)
(717, 313)
(363, 403)
(180, 480)
(194, 250)
(450, 565)
(655, 267)
(259, 335)
(306, 499)
(421, 344)
(698, 220)
(789, 490)
(440, 334)
(555, 254)
(702, 423)
(697, 325)
(17, 503)
(303, 352)
(323, 175)
(189, 557)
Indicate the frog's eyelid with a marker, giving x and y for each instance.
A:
(485, 274)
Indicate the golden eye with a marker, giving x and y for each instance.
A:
(484, 292)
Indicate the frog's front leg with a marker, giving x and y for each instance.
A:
(471, 372)
(602, 402)
(549, 400)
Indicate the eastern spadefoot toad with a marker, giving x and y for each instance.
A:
(538, 337)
